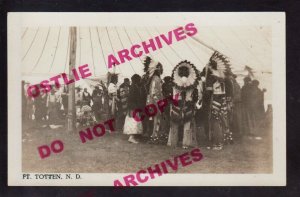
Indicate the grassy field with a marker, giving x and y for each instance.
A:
(112, 153)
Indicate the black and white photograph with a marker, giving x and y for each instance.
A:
(161, 97)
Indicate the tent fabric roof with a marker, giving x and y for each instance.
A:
(46, 49)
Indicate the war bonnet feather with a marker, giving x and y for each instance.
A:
(185, 75)
(150, 66)
(221, 62)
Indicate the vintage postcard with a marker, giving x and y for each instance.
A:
(146, 99)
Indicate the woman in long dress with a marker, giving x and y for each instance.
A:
(133, 127)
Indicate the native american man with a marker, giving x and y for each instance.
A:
(185, 77)
(217, 115)
(153, 85)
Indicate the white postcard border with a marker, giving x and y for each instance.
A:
(275, 19)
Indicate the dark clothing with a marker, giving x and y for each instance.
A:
(184, 111)
(218, 119)
(257, 102)
(167, 90)
(206, 104)
(86, 98)
(144, 89)
(147, 124)
(245, 94)
(253, 108)
(204, 112)
(64, 101)
(233, 96)
(123, 98)
(123, 92)
(218, 111)
(131, 125)
(97, 97)
(246, 106)
(134, 98)
(237, 109)
(257, 108)
(40, 108)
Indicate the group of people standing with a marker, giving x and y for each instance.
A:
(46, 109)
(210, 99)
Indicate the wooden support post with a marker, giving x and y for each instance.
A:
(71, 99)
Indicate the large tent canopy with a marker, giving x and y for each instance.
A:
(46, 49)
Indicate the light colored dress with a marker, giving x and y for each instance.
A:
(131, 126)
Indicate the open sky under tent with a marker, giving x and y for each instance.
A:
(45, 50)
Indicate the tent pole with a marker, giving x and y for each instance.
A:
(203, 43)
(71, 98)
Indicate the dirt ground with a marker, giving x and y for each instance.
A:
(112, 153)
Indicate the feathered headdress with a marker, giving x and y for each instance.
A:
(150, 66)
(111, 77)
(222, 63)
(191, 79)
